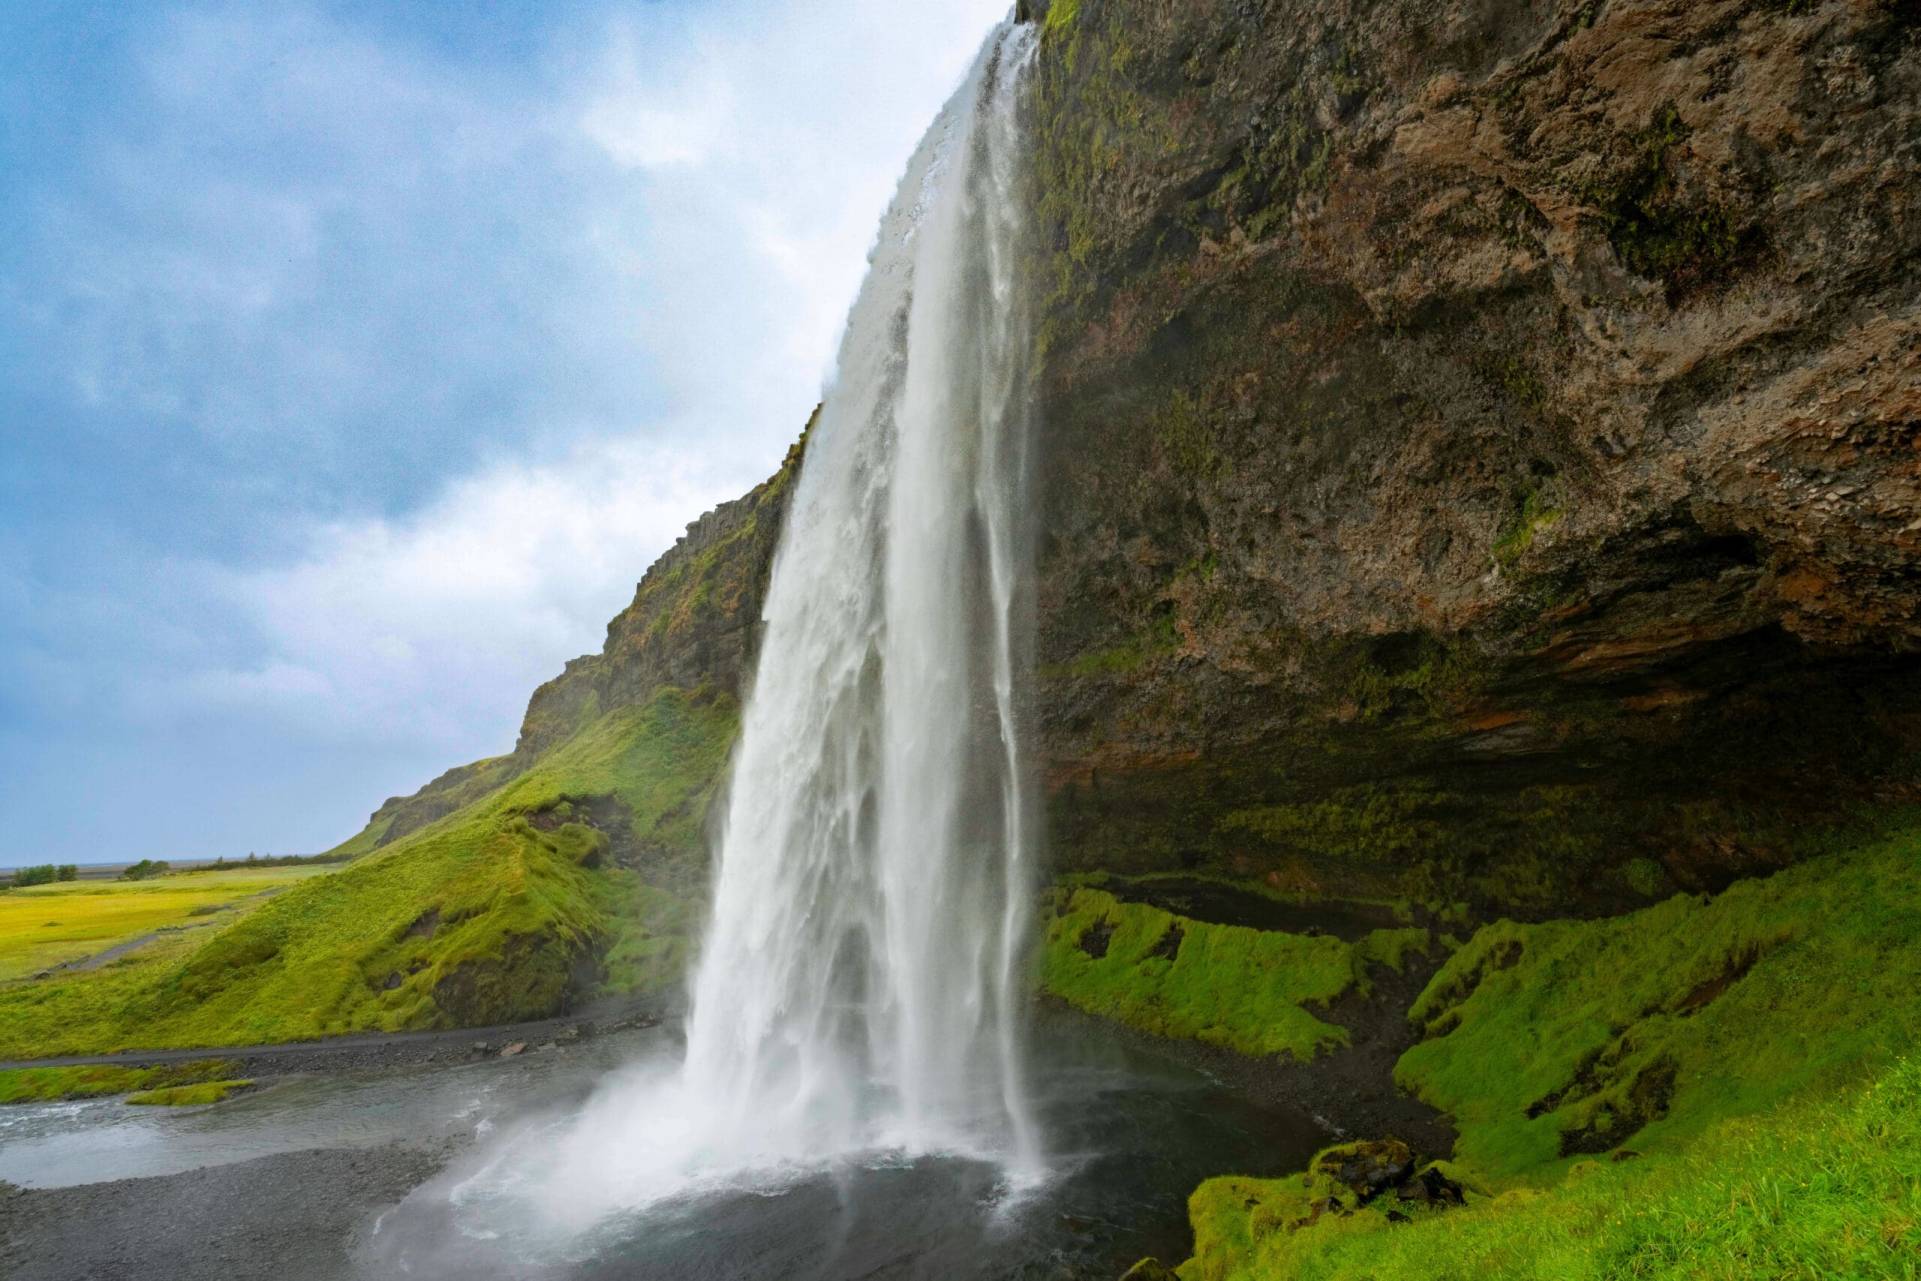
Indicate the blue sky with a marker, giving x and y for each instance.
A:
(356, 358)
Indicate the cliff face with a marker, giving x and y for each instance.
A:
(693, 625)
(1483, 450)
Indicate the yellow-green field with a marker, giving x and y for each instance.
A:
(51, 925)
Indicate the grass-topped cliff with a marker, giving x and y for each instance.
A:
(512, 907)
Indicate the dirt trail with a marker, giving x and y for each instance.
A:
(381, 1049)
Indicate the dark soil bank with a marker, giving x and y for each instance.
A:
(291, 1218)
(1222, 904)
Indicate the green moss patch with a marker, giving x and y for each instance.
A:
(1244, 989)
(1243, 1227)
(1552, 1041)
(1534, 514)
(1707, 1088)
(189, 1096)
(48, 1085)
(1655, 228)
(1814, 1190)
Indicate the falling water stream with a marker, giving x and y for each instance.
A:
(860, 981)
(860, 990)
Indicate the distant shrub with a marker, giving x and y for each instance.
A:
(224, 864)
(43, 874)
(67, 872)
(147, 868)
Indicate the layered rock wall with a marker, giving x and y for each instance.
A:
(1484, 437)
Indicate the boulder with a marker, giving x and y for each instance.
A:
(1368, 1169)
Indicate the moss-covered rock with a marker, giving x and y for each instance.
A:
(1751, 1047)
(1821, 1188)
(1242, 989)
(190, 1096)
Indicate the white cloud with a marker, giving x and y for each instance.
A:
(764, 161)
(526, 327)
(433, 629)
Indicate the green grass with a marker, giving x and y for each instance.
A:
(188, 1096)
(650, 938)
(492, 914)
(1747, 1051)
(1226, 985)
(51, 925)
(46, 1085)
(1588, 1024)
(1807, 1192)
(1061, 15)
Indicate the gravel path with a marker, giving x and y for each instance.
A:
(381, 1049)
(293, 1217)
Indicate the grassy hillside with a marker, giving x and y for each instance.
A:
(506, 909)
(1711, 1087)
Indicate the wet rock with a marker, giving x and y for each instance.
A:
(1370, 1168)
(517, 1048)
(1431, 1187)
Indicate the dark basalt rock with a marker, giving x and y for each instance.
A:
(1431, 1187)
(1478, 453)
(1095, 938)
(1368, 1169)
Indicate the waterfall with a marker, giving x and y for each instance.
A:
(860, 992)
(860, 988)
(860, 982)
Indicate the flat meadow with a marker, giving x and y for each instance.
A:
(50, 925)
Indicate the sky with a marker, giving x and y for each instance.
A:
(357, 358)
